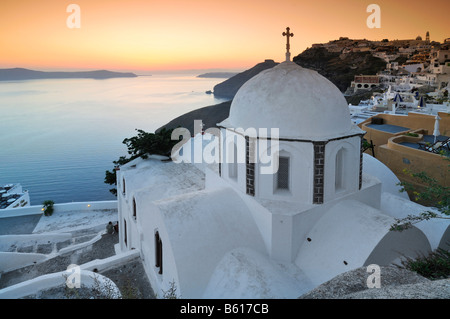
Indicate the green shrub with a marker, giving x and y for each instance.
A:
(434, 266)
(47, 207)
(412, 134)
(142, 145)
(171, 293)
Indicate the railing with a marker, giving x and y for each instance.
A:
(64, 207)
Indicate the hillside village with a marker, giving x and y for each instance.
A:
(418, 62)
(410, 92)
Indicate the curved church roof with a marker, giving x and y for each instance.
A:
(300, 102)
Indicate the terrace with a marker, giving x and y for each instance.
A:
(388, 128)
(406, 142)
(416, 127)
(8, 199)
(428, 143)
(11, 193)
(415, 152)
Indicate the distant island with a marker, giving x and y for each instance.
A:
(228, 88)
(16, 74)
(225, 75)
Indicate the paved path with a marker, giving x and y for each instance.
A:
(130, 277)
(19, 225)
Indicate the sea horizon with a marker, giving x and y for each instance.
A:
(59, 136)
(138, 72)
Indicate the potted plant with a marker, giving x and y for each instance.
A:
(47, 207)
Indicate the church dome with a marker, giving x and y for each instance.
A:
(300, 102)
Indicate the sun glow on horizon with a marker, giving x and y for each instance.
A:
(181, 35)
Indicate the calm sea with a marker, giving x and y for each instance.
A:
(58, 137)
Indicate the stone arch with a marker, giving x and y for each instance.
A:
(445, 240)
(283, 177)
(340, 170)
(396, 246)
(341, 173)
(299, 171)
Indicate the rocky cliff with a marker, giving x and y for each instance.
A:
(339, 68)
(228, 88)
(209, 115)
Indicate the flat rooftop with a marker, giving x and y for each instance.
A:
(428, 139)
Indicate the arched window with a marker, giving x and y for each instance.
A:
(158, 253)
(233, 163)
(125, 232)
(282, 178)
(339, 182)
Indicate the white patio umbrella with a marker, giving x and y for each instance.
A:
(397, 99)
(436, 132)
(421, 103)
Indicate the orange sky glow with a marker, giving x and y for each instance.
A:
(150, 35)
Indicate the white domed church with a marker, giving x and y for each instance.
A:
(238, 230)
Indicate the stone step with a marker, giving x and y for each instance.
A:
(50, 247)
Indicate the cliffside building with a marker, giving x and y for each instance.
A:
(365, 82)
(400, 143)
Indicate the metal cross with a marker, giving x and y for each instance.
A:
(287, 35)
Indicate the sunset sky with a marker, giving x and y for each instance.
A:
(151, 35)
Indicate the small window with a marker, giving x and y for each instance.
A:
(134, 208)
(339, 171)
(283, 173)
(233, 165)
(123, 186)
(125, 232)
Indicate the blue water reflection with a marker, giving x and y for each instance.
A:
(57, 137)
